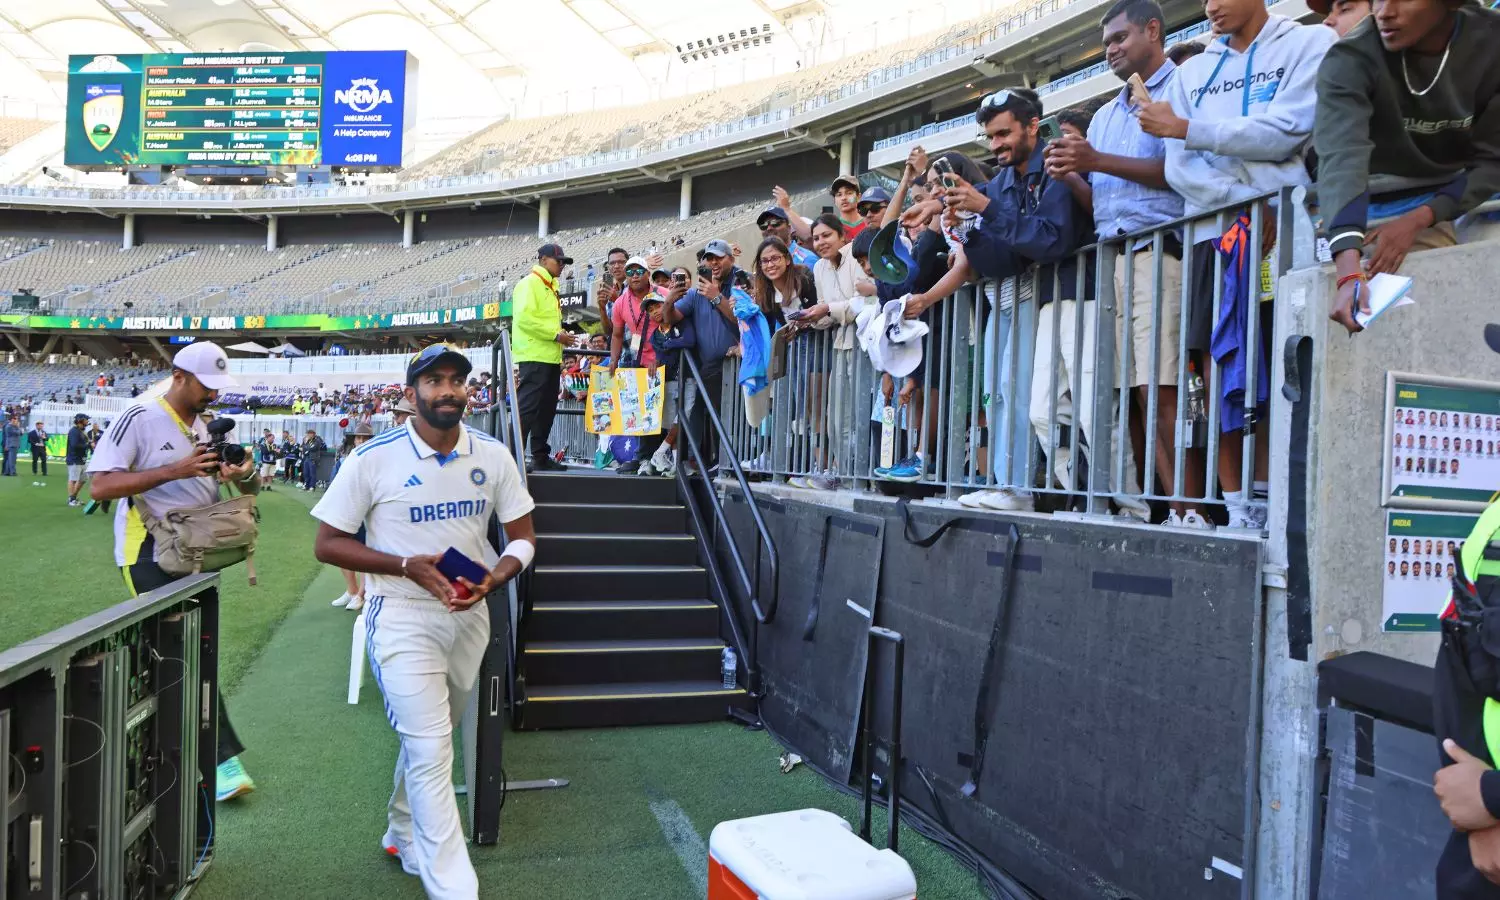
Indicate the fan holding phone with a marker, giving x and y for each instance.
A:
(426, 494)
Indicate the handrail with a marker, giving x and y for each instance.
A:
(518, 590)
(763, 616)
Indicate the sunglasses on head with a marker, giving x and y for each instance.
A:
(429, 352)
(999, 98)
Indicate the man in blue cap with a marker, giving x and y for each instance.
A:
(871, 207)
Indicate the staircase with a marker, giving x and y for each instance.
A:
(621, 629)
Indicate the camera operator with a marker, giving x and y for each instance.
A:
(159, 451)
(313, 449)
(291, 455)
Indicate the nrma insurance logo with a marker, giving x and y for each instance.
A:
(363, 95)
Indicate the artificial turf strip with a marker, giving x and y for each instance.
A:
(61, 567)
(322, 770)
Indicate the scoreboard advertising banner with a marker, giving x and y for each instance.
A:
(484, 312)
(288, 109)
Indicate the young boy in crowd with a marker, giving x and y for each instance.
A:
(1237, 121)
(1412, 91)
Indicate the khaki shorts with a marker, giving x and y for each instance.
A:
(1141, 316)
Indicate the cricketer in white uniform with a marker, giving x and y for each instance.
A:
(418, 490)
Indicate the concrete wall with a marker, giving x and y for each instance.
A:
(1443, 334)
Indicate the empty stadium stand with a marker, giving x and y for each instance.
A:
(98, 277)
(14, 131)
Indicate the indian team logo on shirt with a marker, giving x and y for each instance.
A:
(477, 476)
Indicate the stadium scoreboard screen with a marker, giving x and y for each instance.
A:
(350, 108)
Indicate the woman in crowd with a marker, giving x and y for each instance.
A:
(353, 598)
(781, 287)
(842, 287)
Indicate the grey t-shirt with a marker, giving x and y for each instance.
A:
(148, 436)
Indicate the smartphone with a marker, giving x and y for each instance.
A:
(1048, 130)
(680, 278)
(705, 272)
(454, 565)
(741, 280)
(944, 168)
(1138, 93)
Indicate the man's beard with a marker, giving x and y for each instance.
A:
(442, 418)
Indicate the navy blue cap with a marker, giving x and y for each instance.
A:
(874, 195)
(434, 355)
(774, 212)
(554, 251)
(862, 242)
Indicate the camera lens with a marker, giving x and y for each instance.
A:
(232, 454)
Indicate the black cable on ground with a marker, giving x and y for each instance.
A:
(1000, 884)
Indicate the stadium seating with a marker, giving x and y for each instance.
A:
(40, 381)
(352, 279)
(14, 131)
(514, 145)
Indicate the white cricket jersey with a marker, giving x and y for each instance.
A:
(148, 436)
(412, 501)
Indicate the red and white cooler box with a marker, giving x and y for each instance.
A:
(807, 854)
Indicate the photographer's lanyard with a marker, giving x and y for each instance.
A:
(181, 425)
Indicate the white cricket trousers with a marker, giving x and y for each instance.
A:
(425, 660)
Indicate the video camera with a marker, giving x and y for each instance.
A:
(230, 454)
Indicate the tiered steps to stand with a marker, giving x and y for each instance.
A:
(622, 630)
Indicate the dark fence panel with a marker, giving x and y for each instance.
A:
(1116, 749)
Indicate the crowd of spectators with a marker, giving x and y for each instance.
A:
(1202, 133)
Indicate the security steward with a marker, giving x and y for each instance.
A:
(421, 491)
(1466, 716)
(539, 339)
(157, 451)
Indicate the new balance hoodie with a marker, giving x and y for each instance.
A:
(1250, 117)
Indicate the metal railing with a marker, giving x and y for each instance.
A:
(1049, 398)
(692, 449)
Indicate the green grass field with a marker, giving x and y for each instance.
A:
(323, 768)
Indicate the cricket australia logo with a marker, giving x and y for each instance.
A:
(363, 95)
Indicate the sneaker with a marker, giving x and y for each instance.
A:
(827, 481)
(400, 851)
(974, 499)
(1007, 500)
(907, 471)
(233, 780)
(74, 503)
(1258, 513)
(1132, 507)
(546, 464)
(356, 603)
(629, 468)
(645, 468)
(661, 460)
(1192, 519)
(882, 472)
(667, 471)
(343, 600)
(797, 481)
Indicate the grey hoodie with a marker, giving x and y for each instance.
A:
(1250, 116)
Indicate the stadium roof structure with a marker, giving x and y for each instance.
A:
(479, 57)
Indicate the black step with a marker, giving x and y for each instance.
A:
(609, 518)
(616, 550)
(606, 705)
(620, 661)
(618, 583)
(585, 620)
(610, 489)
